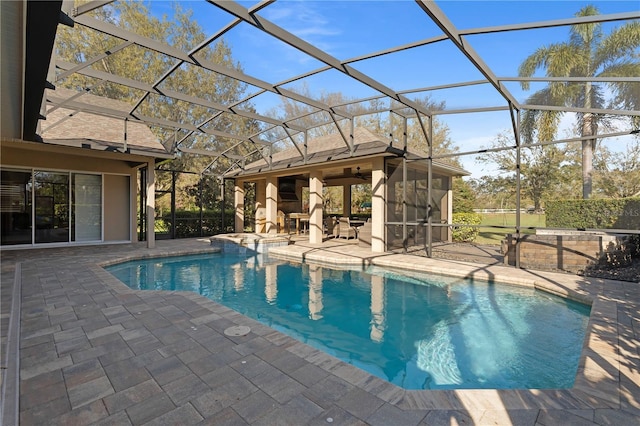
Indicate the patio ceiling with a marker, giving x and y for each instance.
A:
(488, 90)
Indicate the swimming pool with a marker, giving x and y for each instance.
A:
(417, 332)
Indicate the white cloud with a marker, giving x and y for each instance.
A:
(477, 142)
(304, 20)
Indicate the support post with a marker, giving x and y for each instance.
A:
(142, 204)
(429, 191)
(378, 206)
(449, 210)
(200, 183)
(260, 207)
(173, 204)
(223, 206)
(238, 205)
(346, 200)
(315, 207)
(518, 189)
(404, 204)
(271, 207)
(151, 204)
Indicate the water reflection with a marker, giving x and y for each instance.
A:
(271, 283)
(238, 277)
(315, 292)
(377, 309)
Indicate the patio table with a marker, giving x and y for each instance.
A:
(299, 217)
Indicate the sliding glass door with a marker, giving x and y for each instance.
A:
(15, 207)
(87, 207)
(39, 207)
(51, 200)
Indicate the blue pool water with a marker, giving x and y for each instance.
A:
(417, 332)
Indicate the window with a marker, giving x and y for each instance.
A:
(15, 207)
(50, 207)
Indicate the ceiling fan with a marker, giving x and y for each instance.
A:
(358, 174)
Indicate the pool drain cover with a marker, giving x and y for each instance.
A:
(237, 330)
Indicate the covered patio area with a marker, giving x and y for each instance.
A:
(410, 196)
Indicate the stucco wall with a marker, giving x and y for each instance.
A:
(45, 159)
(116, 208)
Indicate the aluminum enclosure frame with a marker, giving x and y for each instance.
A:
(293, 133)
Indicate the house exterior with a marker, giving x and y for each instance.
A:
(67, 177)
(366, 158)
(71, 177)
(80, 183)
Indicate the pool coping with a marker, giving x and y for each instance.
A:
(608, 375)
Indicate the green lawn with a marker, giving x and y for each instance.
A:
(495, 235)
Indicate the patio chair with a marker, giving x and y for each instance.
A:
(364, 234)
(332, 226)
(345, 229)
(280, 225)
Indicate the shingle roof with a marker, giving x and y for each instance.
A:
(323, 149)
(332, 148)
(72, 126)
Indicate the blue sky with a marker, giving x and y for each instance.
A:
(348, 29)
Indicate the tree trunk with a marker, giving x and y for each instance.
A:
(588, 129)
(587, 167)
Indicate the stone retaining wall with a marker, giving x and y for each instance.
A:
(569, 253)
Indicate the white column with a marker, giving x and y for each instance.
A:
(315, 207)
(151, 204)
(271, 207)
(238, 204)
(378, 206)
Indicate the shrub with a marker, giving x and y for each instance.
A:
(465, 233)
(622, 213)
(188, 223)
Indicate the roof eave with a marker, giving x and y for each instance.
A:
(295, 169)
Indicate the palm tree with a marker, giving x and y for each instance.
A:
(588, 53)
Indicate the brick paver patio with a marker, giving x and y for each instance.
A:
(92, 351)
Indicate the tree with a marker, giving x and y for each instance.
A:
(618, 173)
(588, 53)
(380, 123)
(79, 44)
(442, 142)
(319, 122)
(541, 167)
(464, 197)
(494, 192)
(360, 194)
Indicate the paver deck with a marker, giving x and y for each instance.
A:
(89, 350)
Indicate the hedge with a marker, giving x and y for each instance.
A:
(465, 234)
(188, 222)
(622, 213)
